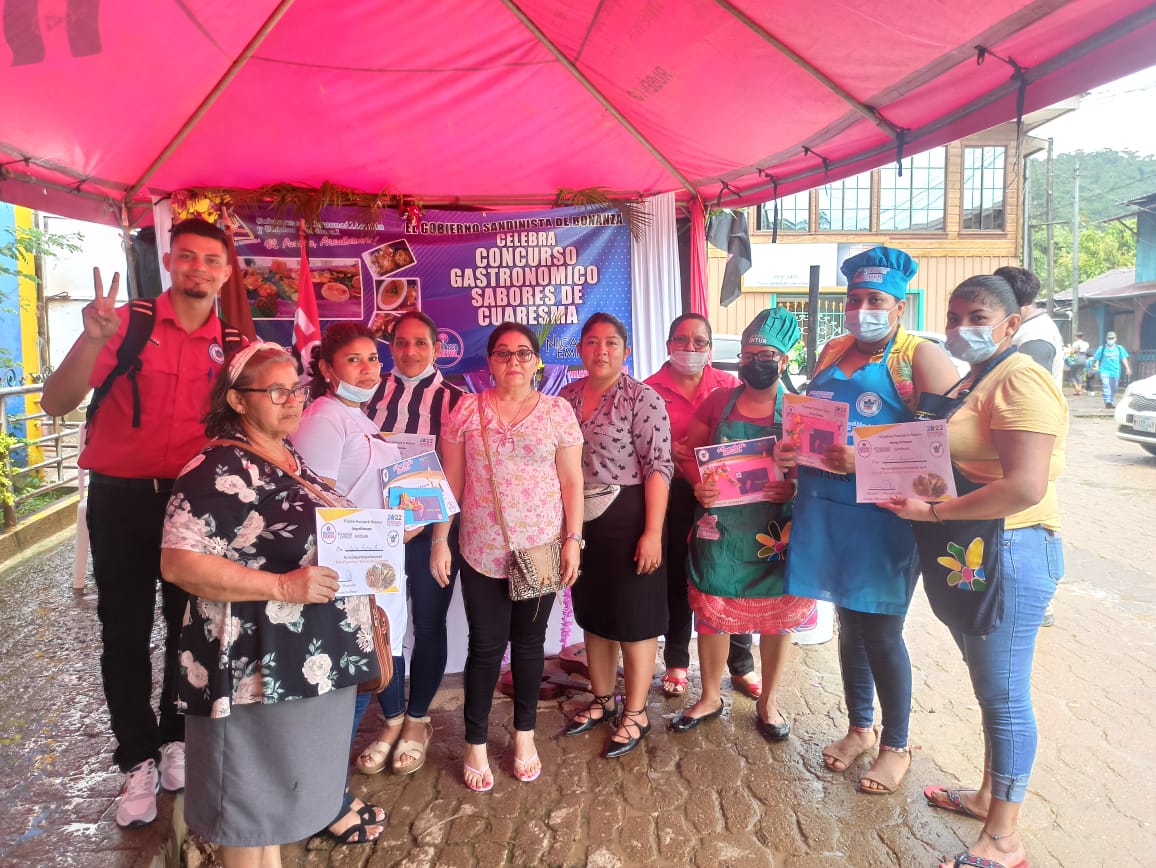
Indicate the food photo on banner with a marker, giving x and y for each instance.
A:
(469, 271)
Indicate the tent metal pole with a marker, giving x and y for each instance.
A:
(207, 102)
(872, 114)
(597, 94)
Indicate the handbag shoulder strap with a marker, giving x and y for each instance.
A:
(493, 479)
(288, 471)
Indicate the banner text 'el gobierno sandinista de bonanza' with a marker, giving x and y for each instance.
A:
(469, 271)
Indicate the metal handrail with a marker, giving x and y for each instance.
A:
(56, 472)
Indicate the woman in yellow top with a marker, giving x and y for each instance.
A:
(1007, 438)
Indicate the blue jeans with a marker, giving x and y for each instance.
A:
(1000, 664)
(391, 700)
(1109, 384)
(873, 657)
(429, 603)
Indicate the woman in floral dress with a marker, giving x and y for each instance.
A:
(269, 658)
(534, 468)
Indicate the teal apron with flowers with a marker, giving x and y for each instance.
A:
(740, 551)
(856, 555)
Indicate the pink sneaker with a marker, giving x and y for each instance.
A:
(172, 767)
(138, 797)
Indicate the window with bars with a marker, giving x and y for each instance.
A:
(845, 206)
(984, 170)
(794, 214)
(915, 201)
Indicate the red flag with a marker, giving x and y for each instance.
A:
(306, 323)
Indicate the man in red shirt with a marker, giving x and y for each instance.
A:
(684, 382)
(131, 470)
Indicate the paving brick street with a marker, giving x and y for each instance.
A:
(717, 796)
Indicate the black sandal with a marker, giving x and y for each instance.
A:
(577, 728)
(615, 748)
(358, 833)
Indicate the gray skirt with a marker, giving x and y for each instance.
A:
(268, 774)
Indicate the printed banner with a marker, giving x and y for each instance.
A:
(469, 271)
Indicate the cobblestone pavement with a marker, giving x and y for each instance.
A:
(717, 796)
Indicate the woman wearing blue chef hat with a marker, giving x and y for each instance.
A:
(856, 555)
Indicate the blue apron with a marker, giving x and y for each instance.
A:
(857, 555)
(731, 560)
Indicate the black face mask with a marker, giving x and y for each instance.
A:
(759, 375)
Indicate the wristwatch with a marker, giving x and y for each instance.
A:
(577, 538)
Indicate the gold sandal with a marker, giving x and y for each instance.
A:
(415, 749)
(375, 757)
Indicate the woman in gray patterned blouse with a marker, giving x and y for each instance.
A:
(620, 601)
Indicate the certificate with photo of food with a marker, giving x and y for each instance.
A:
(421, 472)
(272, 286)
(907, 459)
(812, 425)
(741, 469)
(365, 546)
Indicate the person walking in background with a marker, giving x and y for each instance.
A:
(414, 398)
(1077, 360)
(1037, 335)
(684, 382)
(147, 427)
(1108, 359)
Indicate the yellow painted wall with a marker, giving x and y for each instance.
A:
(29, 336)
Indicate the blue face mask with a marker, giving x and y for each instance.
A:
(868, 325)
(972, 344)
(409, 381)
(350, 392)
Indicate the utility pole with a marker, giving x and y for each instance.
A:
(1051, 285)
(1076, 252)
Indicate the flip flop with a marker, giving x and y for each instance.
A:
(674, 684)
(950, 799)
(966, 860)
(521, 765)
(743, 684)
(481, 773)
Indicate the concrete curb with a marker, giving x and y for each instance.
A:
(18, 544)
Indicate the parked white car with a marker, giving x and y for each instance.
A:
(1136, 414)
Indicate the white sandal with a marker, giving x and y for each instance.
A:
(375, 757)
(415, 749)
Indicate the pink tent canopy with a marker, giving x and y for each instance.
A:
(504, 102)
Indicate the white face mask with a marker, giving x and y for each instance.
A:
(688, 361)
(350, 392)
(868, 325)
(409, 381)
(1111, 342)
(972, 344)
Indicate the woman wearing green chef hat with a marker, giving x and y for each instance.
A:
(856, 555)
(738, 552)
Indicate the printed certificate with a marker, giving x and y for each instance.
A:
(741, 469)
(811, 425)
(365, 547)
(909, 459)
(410, 445)
(428, 498)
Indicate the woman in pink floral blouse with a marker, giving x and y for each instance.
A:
(535, 449)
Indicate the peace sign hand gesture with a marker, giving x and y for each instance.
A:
(100, 319)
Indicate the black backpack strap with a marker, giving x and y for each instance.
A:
(231, 339)
(142, 314)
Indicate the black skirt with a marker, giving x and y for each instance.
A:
(610, 599)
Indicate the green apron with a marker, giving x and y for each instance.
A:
(740, 551)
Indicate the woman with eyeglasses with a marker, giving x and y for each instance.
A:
(738, 552)
(523, 448)
(854, 554)
(269, 658)
(621, 601)
(684, 382)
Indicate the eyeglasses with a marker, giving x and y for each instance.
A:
(503, 356)
(760, 356)
(279, 394)
(681, 341)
